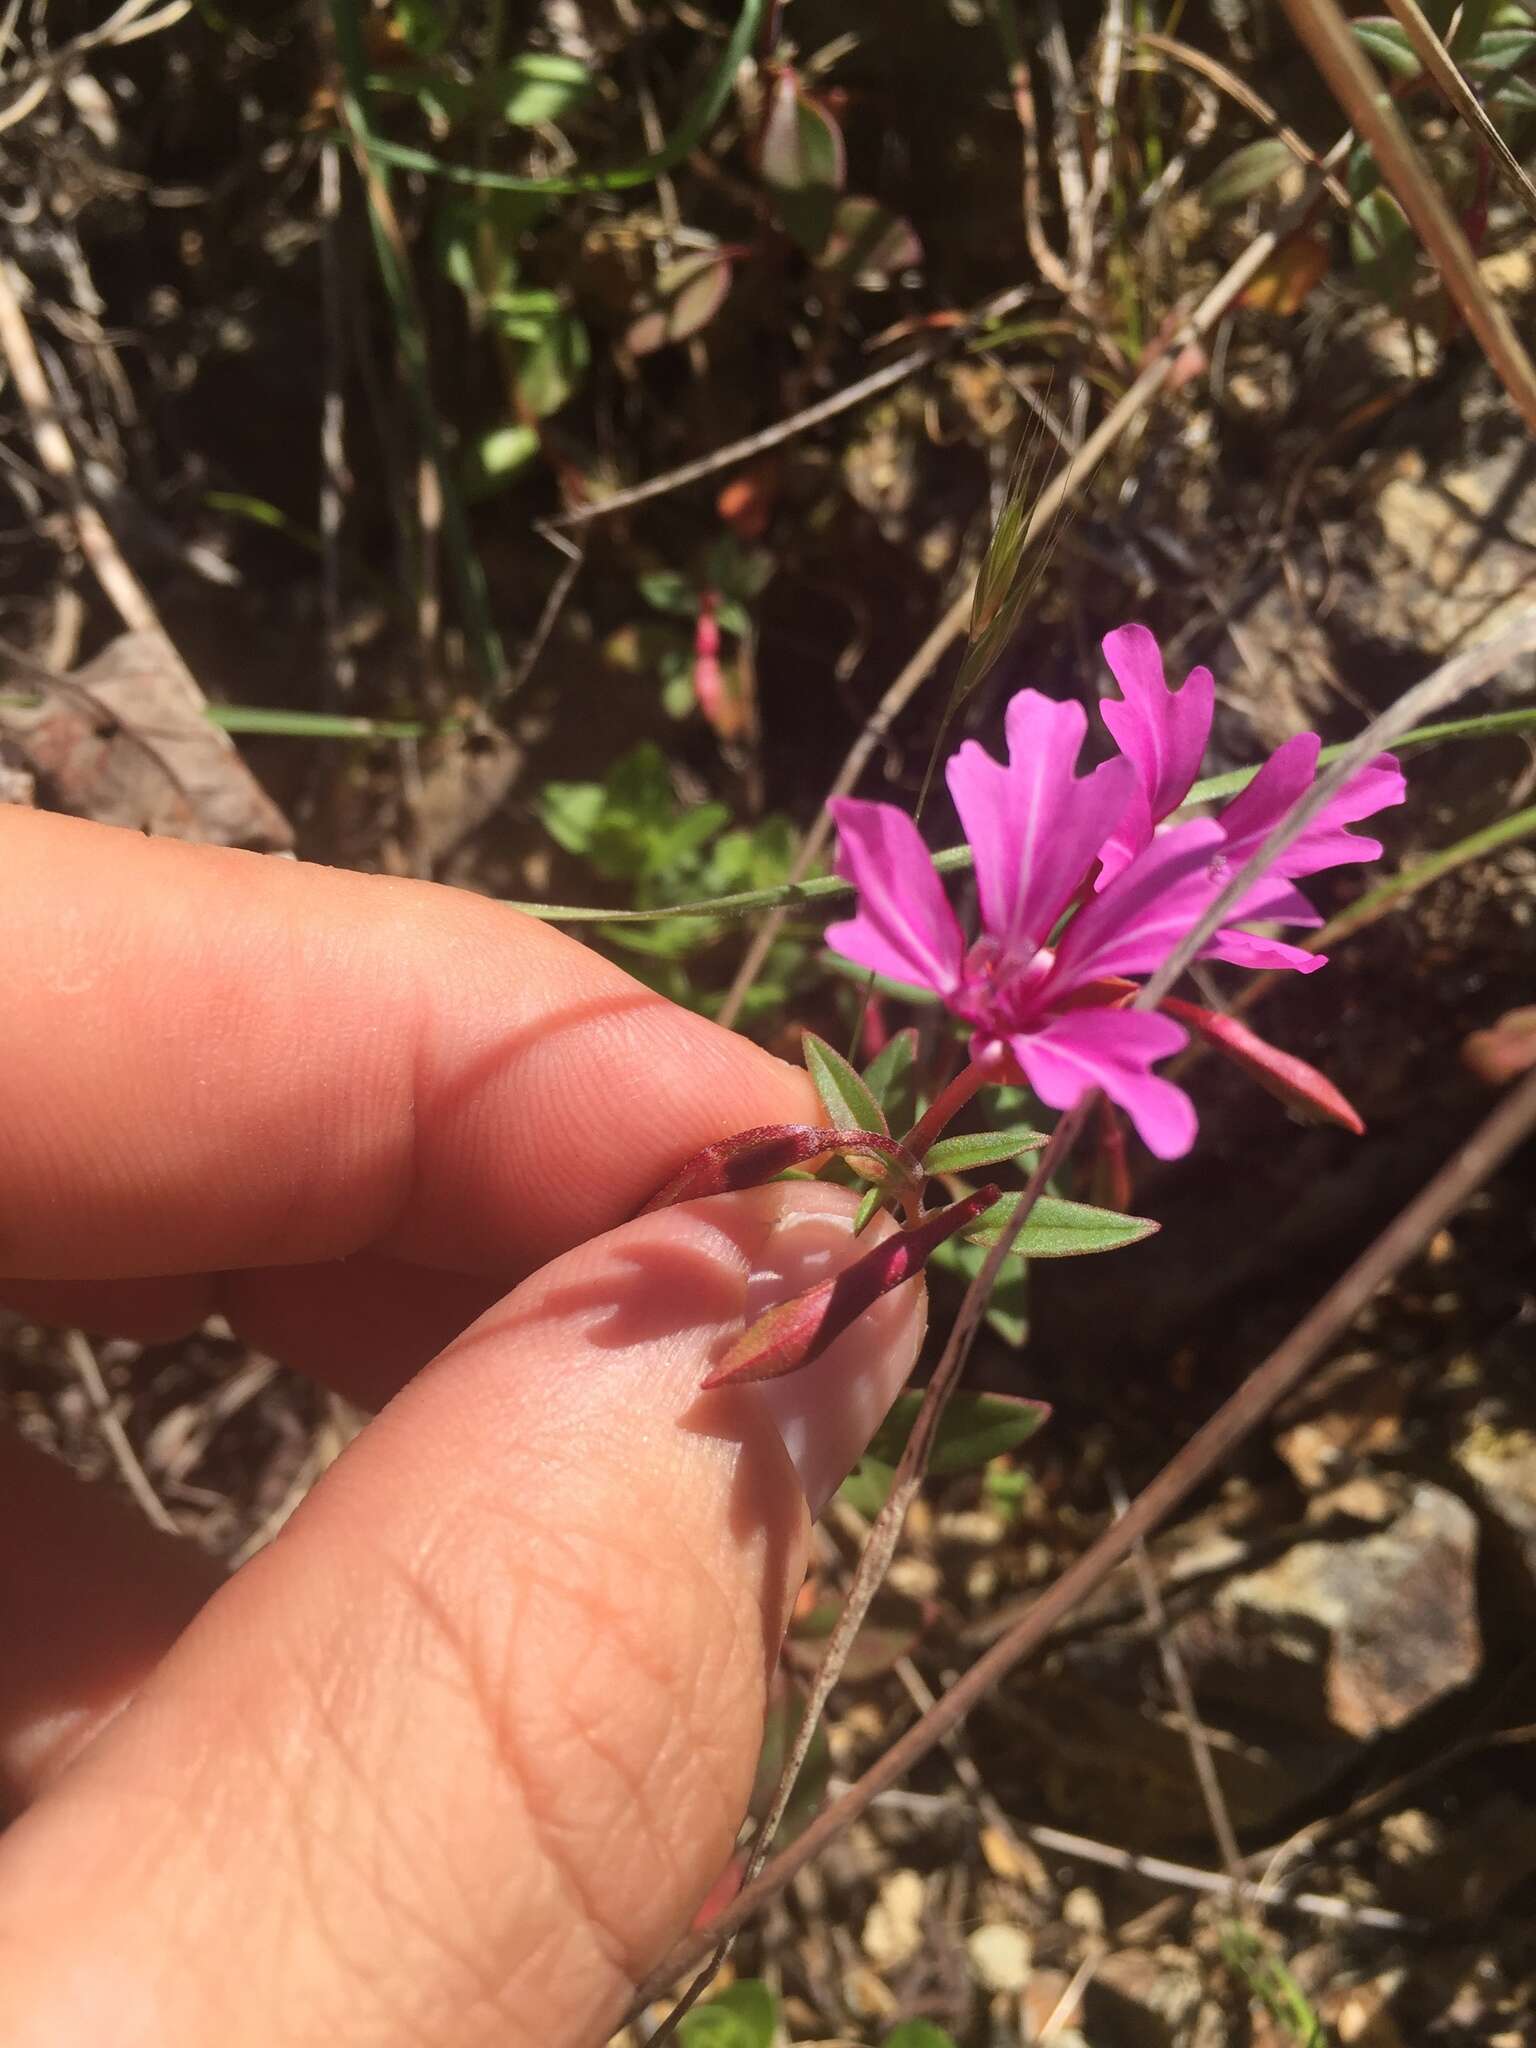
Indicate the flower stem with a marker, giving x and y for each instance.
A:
(949, 1101)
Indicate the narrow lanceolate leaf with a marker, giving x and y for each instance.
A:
(1061, 1230)
(1310, 1096)
(980, 1148)
(753, 1157)
(891, 1062)
(797, 1332)
(867, 1210)
(845, 1095)
(974, 1429)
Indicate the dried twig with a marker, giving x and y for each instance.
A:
(1510, 1124)
(110, 1423)
(58, 458)
(1347, 70)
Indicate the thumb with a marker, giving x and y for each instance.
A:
(457, 1757)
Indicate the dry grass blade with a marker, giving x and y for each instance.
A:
(1470, 1165)
(1327, 35)
(1442, 68)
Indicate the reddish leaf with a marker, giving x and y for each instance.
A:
(867, 240)
(686, 296)
(802, 145)
(797, 1332)
(1310, 1096)
(752, 1157)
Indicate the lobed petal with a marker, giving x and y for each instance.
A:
(1035, 829)
(1132, 926)
(1113, 1050)
(1283, 780)
(1162, 732)
(904, 927)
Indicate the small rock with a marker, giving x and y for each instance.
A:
(969, 1529)
(1000, 1957)
(915, 1578)
(893, 1927)
(1083, 1911)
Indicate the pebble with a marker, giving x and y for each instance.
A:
(1000, 1957)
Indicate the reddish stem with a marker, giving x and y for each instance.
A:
(950, 1101)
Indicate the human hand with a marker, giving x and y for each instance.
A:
(455, 1759)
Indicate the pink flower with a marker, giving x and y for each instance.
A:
(1163, 734)
(1046, 993)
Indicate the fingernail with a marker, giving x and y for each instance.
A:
(827, 1413)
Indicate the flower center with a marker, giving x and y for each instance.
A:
(1000, 987)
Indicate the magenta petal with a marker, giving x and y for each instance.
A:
(1035, 829)
(1286, 777)
(1247, 949)
(1113, 1050)
(1162, 731)
(1133, 925)
(904, 927)
(1131, 836)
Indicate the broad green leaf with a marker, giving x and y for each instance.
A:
(1247, 171)
(919, 2034)
(744, 2016)
(980, 1148)
(496, 458)
(666, 591)
(974, 1429)
(845, 1095)
(570, 811)
(686, 296)
(1387, 41)
(553, 363)
(1059, 1229)
(868, 1487)
(536, 87)
(890, 1063)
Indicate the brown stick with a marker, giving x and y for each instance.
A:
(1479, 1157)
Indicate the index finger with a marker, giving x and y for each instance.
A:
(212, 1059)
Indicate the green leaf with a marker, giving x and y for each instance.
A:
(1059, 1229)
(981, 1148)
(496, 458)
(1387, 41)
(845, 1095)
(866, 1210)
(536, 87)
(1382, 246)
(744, 2016)
(868, 1487)
(666, 591)
(570, 811)
(554, 360)
(919, 2034)
(1247, 171)
(891, 1063)
(974, 1429)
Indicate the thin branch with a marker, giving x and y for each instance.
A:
(1510, 1124)
(1348, 73)
(110, 1423)
(751, 445)
(54, 451)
